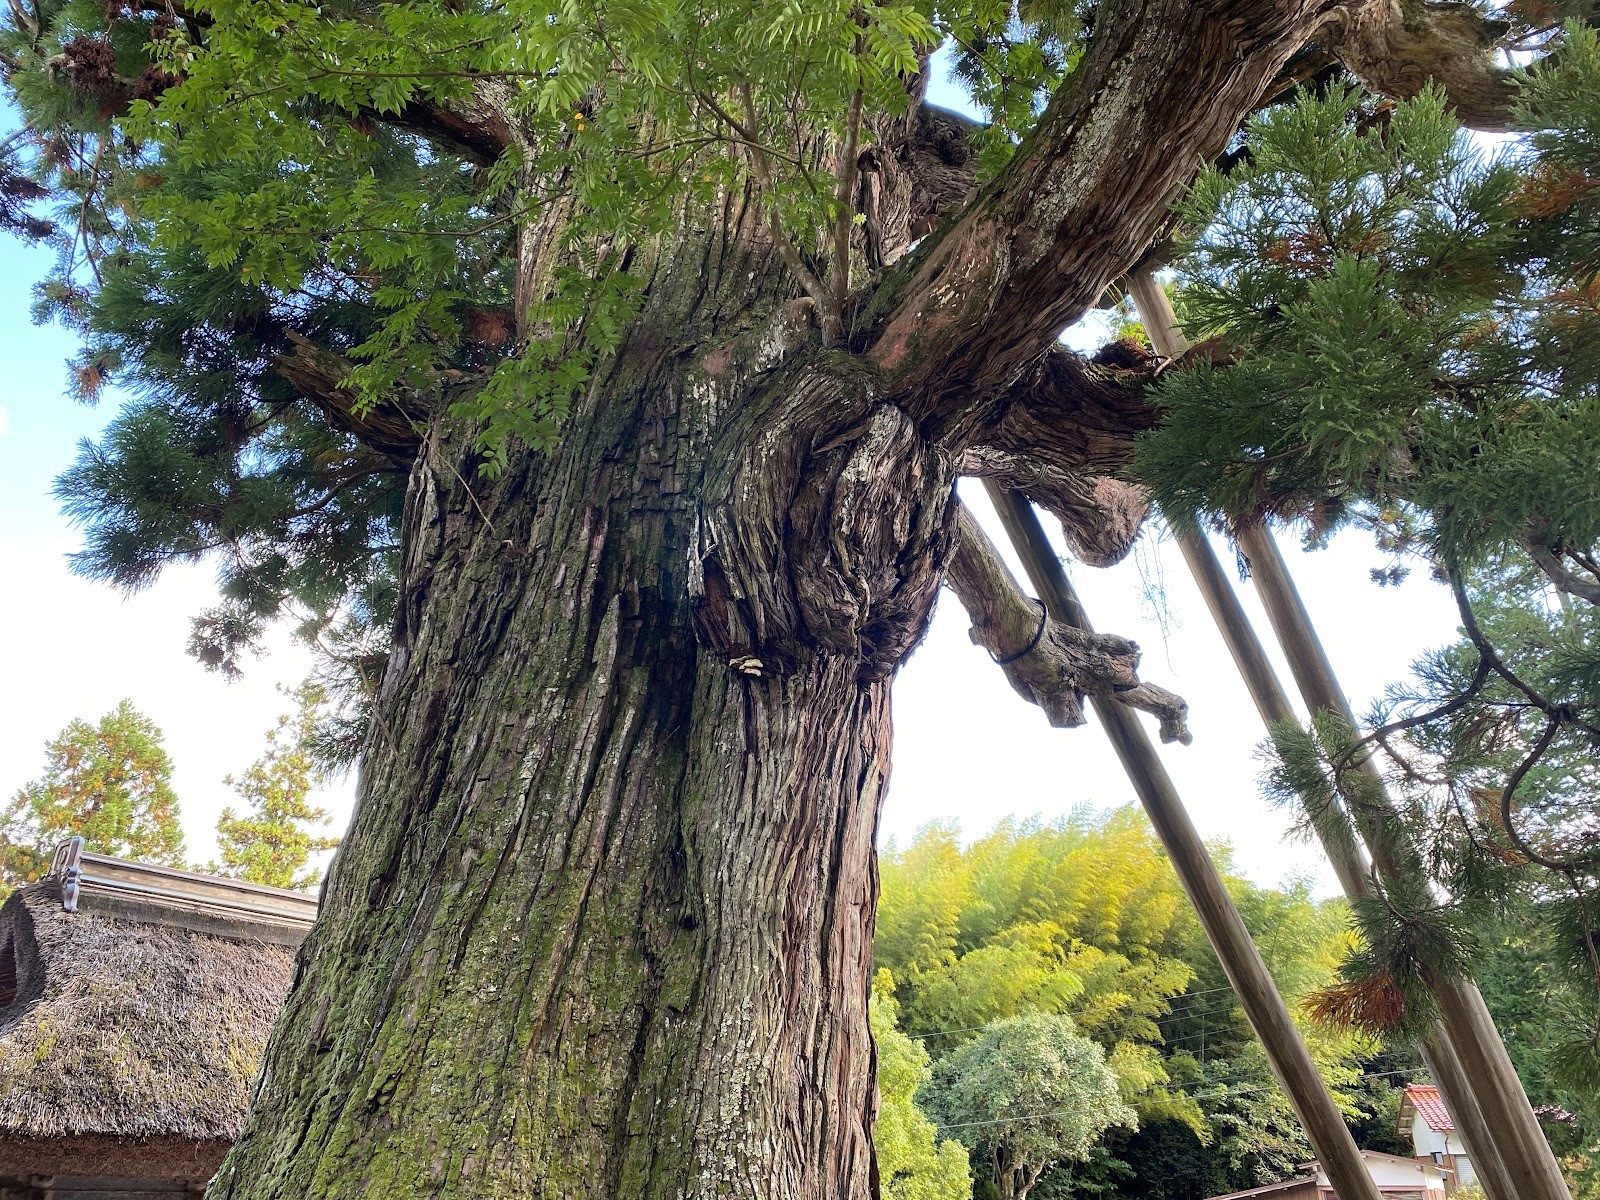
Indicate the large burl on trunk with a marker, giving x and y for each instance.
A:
(602, 924)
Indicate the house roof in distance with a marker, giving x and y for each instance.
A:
(1424, 1099)
(136, 1022)
(1272, 1189)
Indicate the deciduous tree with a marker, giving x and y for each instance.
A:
(914, 1163)
(1030, 1093)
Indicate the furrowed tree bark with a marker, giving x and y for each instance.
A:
(602, 925)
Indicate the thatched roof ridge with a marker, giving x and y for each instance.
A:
(130, 1028)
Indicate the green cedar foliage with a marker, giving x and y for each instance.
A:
(271, 841)
(109, 783)
(1411, 327)
(913, 1163)
(1408, 338)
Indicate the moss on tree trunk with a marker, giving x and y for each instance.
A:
(603, 922)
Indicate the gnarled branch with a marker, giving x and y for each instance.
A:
(1060, 433)
(1163, 88)
(1395, 47)
(1053, 665)
(1100, 516)
(318, 374)
(478, 127)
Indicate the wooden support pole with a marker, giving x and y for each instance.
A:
(1236, 951)
(1530, 1165)
(1464, 1051)
(1343, 850)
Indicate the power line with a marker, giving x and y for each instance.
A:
(1206, 992)
(944, 1032)
(1189, 1014)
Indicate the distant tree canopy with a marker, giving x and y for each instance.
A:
(110, 783)
(1030, 1093)
(1074, 917)
(1084, 917)
(271, 840)
(1540, 985)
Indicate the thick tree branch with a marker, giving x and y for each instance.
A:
(1163, 88)
(1079, 415)
(1055, 665)
(919, 168)
(478, 128)
(1059, 435)
(1100, 516)
(317, 374)
(1551, 559)
(1394, 47)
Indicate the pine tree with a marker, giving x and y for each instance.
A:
(272, 840)
(1421, 314)
(109, 783)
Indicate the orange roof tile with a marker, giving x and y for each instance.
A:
(1430, 1104)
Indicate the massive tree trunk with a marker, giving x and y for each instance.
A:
(603, 922)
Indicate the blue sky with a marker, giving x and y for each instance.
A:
(967, 748)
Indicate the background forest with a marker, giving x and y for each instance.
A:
(1084, 917)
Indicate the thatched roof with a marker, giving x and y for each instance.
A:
(138, 1023)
